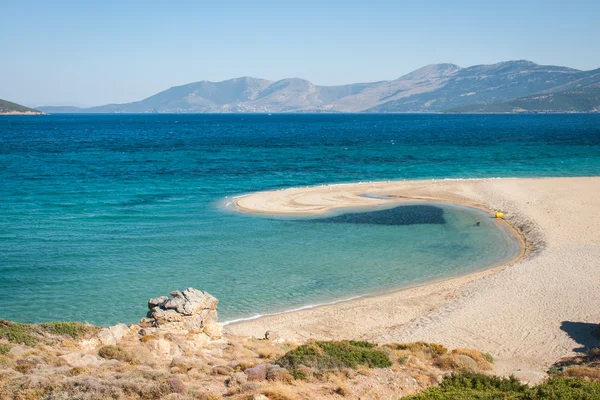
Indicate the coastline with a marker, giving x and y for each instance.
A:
(484, 309)
(22, 113)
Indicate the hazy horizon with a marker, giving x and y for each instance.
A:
(68, 53)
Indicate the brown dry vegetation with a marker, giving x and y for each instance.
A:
(64, 361)
(584, 366)
(67, 361)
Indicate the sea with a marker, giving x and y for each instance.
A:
(98, 213)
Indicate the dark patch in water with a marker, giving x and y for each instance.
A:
(403, 215)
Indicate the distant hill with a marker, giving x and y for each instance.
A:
(433, 88)
(61, 109)
(7, 107)
(584, 99)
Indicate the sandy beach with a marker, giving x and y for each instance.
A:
(527, 314)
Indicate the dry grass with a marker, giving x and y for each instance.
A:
(438, 356)
(265, 349)
(447, 362)
(482, 360)
(115, 353)
(279, 391)
(423, 377)
(76, 371)
(364, 371)
(238, 352)
(209, 396)
(5, 360)
(147, 338)
(431, 349)
(582, 372)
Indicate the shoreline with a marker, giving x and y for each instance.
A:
(516, 311)
(22, 113)
(526, 245)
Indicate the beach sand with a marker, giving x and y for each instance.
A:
(527, 314)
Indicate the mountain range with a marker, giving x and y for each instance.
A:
(433, 88)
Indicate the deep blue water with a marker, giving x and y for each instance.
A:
(100, 212)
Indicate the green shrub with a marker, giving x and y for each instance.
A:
(467, 386)
(15, 332)
(488, 357)
(31, 334)
(114, 353)
(73, 329)
(565, 389)
(333, 355)
(473, 386)
(4, 349)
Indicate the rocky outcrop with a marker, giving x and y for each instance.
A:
(112, 335)
(191, 310)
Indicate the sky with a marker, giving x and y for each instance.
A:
(90, 53)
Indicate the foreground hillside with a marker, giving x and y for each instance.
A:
(179, 352)
(7, 107)
(433, 88)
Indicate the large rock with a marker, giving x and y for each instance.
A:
(467, 363)
(257, 373)
(112, 335)
(191, 310)
(156, 301)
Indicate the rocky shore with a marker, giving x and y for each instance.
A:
(178, 351)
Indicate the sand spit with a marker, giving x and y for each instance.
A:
(527, 314)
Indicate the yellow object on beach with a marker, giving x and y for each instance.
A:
(499, 214)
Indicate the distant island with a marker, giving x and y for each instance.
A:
(10, 108)
(511, 86)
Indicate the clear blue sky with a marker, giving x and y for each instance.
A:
(98, 52)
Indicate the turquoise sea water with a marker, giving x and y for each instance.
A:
(100, 212)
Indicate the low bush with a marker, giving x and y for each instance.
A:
(114, 353)
(15, 332)
(4, 349)
(75, 330)
(477, 386)
(488, 357)
(31, 334)
(565, 389)
(334, 355)
(473, 386)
